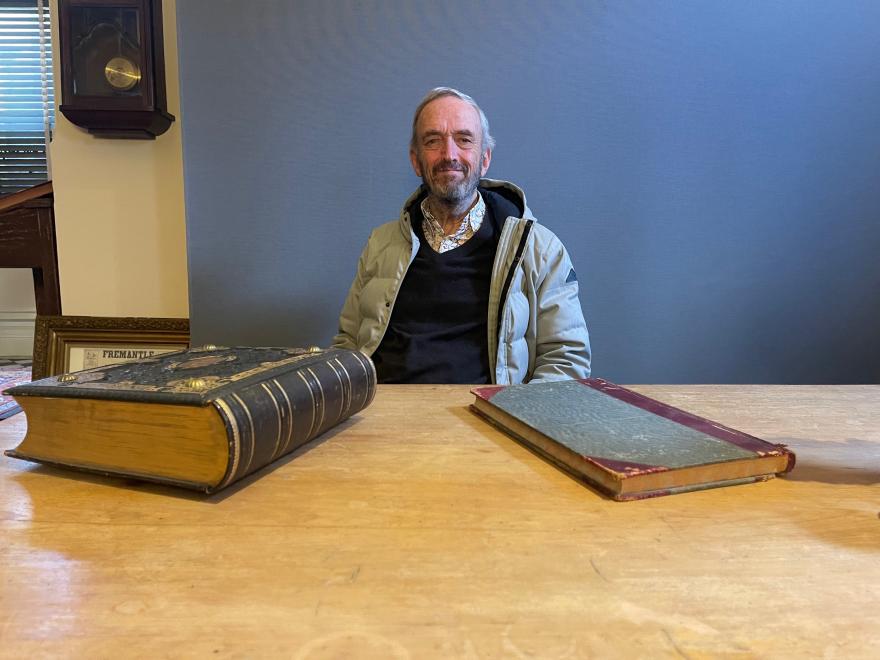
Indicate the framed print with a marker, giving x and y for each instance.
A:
(71, 343)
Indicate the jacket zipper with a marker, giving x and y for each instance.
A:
(507, 281)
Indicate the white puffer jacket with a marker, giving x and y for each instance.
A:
(543, 335)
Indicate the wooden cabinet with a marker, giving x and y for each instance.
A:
(27, 240)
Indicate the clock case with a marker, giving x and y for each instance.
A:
(138, 112)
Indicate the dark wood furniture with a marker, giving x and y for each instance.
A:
(113, 67)
(27, 240)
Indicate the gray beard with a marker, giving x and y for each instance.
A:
(454, 193)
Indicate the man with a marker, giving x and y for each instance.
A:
(465, 287)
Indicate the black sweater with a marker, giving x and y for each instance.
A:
(438, 328)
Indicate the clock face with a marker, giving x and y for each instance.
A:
(122, 73)
(106, 51)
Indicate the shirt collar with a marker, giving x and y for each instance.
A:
(473, 219)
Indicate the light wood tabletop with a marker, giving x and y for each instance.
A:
(416, 530)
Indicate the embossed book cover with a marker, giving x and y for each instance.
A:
(202, 418)
(627, 445)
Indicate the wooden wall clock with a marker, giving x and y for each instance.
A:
(113, 67)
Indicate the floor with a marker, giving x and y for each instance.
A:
(12, 371)
(14, 362)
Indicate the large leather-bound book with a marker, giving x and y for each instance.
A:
(625, 444)
(201, 418)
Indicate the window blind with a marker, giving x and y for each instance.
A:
(27, 98)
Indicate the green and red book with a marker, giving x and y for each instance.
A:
(625, 444)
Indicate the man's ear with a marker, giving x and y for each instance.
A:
(484, 162)
(414, 159)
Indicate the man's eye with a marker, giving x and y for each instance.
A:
(432, 142)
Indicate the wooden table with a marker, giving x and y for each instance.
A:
(416, 530)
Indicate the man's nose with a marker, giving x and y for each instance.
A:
(449, 148)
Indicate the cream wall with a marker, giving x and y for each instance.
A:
(119, 211)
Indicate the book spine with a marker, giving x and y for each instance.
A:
(269, 419)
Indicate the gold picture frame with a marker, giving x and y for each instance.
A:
(71, 343)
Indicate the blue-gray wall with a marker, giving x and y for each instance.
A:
(712, 166)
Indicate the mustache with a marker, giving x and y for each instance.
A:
(448, 165)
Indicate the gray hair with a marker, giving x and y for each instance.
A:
(488, 142)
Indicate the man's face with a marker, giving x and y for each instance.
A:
(448, 154)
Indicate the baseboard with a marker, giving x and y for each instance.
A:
(17, 333)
